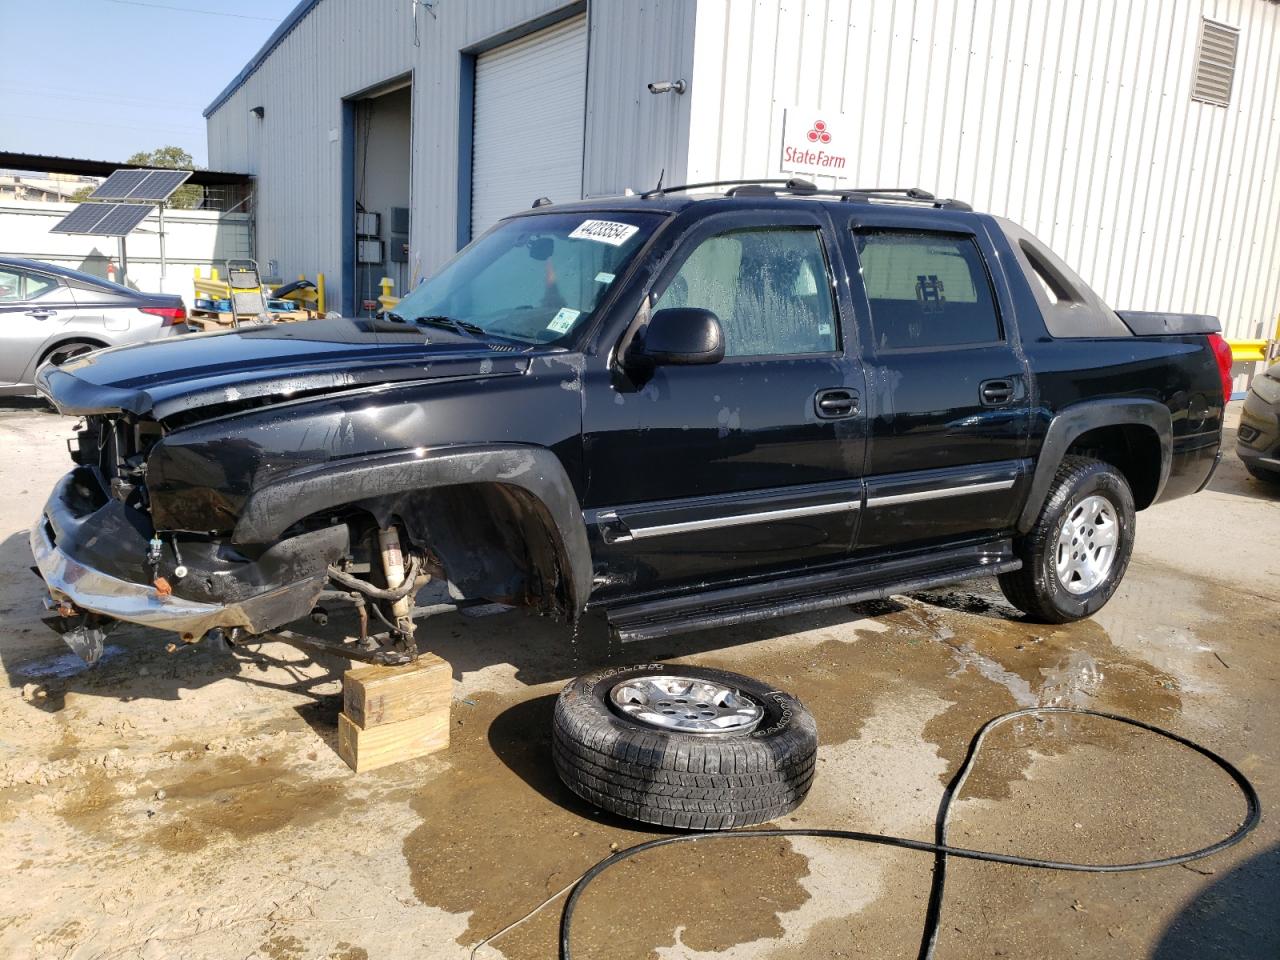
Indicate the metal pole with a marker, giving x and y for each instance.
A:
(124, 263)
(163, 267)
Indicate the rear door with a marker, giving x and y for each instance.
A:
(948, 396)
(700, 474)
(34, 306)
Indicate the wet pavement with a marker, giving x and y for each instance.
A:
(191, 804)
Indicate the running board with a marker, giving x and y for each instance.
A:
(651, 619)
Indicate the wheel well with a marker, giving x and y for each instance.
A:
(1132, 449)
(97, 345)
(492, 540)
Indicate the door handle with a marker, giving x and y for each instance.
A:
(41, 314)
(835, 403)
(995, 393)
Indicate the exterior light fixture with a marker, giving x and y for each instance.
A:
(668, 86)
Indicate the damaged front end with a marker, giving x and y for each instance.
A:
(104, 562)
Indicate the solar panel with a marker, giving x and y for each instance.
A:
(103, 219)
(122, 218)
(159, 185)
(82, 219)
(119, 184)
(140, 185)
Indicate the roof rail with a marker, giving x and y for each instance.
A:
(900, 195)
(796, 185)
(793, 185)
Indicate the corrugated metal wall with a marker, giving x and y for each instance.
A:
(632, 135)
(1072, 117)
(344, 47)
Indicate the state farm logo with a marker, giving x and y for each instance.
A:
(818, 133)
(811, 145)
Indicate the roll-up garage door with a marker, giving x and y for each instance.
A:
(530, 101)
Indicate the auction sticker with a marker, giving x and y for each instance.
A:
(562, 322)
(605, 231)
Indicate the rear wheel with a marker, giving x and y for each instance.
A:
(63, 352)
(1076, 554)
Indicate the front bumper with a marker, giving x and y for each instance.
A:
(1259, 432)
(66, 529)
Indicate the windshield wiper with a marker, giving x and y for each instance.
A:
(439, 320)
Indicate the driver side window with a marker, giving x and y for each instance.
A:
(769, 287)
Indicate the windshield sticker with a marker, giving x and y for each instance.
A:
(562, 322)
(605, 231)
(603, 277)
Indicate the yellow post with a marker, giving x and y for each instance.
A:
(387, 300)
(320, 294)
(213, 273)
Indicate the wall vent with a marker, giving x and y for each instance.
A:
(1215, 63)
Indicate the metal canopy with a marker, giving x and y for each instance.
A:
(103, 219)
(157, 185)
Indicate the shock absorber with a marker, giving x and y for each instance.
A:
(393, 568)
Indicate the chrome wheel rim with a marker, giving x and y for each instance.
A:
(686, 705)
(1087, 544)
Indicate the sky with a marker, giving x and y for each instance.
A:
(102, 79)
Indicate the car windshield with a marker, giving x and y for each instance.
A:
(534, 279)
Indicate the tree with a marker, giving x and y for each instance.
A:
(81, 195)
(171, 158)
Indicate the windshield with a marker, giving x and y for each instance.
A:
(534, 279)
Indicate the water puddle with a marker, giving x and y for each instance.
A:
(499, 834)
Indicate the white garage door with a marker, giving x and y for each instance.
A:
(530, 101)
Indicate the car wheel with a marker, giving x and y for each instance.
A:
(1075, 556)
(686, 747)
(65, 351)
(1262, 473)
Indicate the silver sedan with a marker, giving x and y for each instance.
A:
(49, 314)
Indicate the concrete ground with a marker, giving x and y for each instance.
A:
(191, 804)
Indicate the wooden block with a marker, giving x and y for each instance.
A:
(381, 746)
(372, 696)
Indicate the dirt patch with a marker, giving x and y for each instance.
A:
(246, 796)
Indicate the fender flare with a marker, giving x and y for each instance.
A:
(271, 509)
(1079, 418)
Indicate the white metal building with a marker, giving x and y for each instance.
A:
(1139, 138)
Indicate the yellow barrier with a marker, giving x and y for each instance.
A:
(1248, 351)
(216, 289)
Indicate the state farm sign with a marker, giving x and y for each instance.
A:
(816, 141)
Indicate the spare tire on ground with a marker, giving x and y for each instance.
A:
(686, 747)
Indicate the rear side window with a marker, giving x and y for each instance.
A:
(926, 290)
(769, 288)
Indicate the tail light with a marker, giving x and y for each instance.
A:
(1222, 353)
(172, 315)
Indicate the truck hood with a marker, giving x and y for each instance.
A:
(274, 361)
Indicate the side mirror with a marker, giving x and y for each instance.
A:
(679, 336)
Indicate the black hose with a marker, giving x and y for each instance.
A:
(378, 593)
(941, 849)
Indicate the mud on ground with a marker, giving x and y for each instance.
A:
(191, 804)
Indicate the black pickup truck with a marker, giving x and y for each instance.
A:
(686, 409)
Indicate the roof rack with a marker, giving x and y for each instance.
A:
(793, 185)
(796, 186)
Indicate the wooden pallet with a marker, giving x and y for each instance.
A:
(390, 714)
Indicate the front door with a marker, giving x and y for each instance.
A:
(948, 402)
(701, 474)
